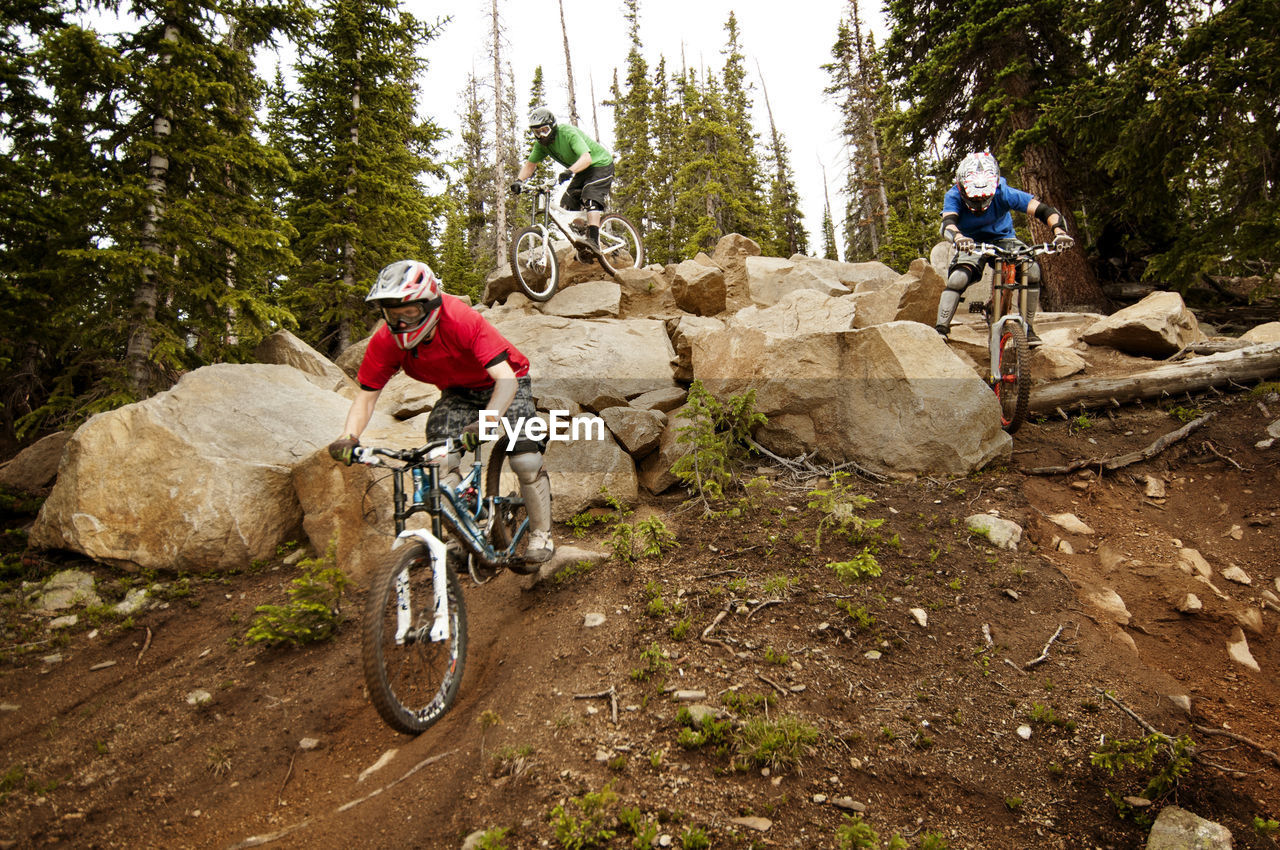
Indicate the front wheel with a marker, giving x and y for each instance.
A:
(412, 674)
(1013, 383)
(534, 263)
(620, 244)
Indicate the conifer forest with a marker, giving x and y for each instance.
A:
(163, 206)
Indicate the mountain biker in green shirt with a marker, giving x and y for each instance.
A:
(588, 167)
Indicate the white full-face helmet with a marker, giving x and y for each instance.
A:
(978, 178)
(542, 123)
(409, 295)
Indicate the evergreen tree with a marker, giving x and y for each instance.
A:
(1175, 124)
(785, 217)
(632, 124)
(477, 182)
(359, 201)
(830, 249)
(979, 75)
(746, 175)
(660, 238)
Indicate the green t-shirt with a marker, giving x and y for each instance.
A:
(569, 145)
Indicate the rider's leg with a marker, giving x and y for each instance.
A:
(1033, 304)
(535, 487)
(958, 281)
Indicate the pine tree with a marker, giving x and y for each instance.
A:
(359, 202)
(660, 238)
(979, 74)
(747, 177)
(830, 249)
(785, 217)
(632, 124)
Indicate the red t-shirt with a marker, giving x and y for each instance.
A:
(455, 357)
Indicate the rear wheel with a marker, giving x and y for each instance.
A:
(412, 678)
(620, 244)
(509, 513)
(1013, 384)
(534, 263)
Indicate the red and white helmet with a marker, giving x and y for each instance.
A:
(408, 283)
(978, 178)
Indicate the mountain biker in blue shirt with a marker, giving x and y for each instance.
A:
(588, 167)
(977, 209)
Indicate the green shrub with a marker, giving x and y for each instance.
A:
(313, 612)
(717, 436)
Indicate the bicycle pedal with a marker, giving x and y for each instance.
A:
(978, 308)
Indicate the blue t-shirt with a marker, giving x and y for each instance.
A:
(994, 223)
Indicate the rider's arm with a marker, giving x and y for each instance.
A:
(504, 386)
(526, 171)
(361, 412)
(581, 163)
(950, 226)
(1047, 214)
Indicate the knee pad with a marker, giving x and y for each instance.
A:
(526, 466)
(1033, 273)
(959, 279)
(593, 205)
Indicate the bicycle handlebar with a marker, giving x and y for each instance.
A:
(1026, 252)
(432, 452)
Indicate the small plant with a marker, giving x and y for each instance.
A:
(695, 838)
(779, 585)
(218, 760)
(774, 743)
(487, 719)
(862, 619)
(1141, 754)
(313, 613)
(493, 838)
(862, 566)
(716, 435)
(644, 829)
(680, 631)
(934, 841)
(1013, 803)
(1185, 414)
(745, 705)
(774, 657)
(655, 759)
(656, 664)
(1080, 423)
(1041, 713)
(1265, 827)
(856, 834)
(654, 538)
(839, 504)
(588, 828)
(655, 607)
(618, 763)
(582, 522)
(697, 735)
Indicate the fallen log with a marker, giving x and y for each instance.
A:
(1246, 364)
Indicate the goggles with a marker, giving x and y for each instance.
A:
(406, 317)
(542, 131)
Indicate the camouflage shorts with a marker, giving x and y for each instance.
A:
(458, 408)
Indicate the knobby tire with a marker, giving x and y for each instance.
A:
(534, 264)
(1013, 383)
(412, 685)
(509, 516)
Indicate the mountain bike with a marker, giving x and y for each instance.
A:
(1009, 369)
(414, 635)
(533, 248)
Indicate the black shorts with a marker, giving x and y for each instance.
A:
(590, 185)
(459, 407)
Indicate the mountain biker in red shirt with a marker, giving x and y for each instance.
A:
(977, 209)
(438, 339)
(588, 167)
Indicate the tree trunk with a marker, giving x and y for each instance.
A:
(1246, 364)
(1069, 282)
(568, 71)
(499, 144)
(137, 358)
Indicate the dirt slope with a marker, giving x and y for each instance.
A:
(923, 739)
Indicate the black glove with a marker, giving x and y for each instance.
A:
(343, 451)
(470, 437)
(964, 244)
(566, 175)
(517, 187)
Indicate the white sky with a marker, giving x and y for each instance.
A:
(787, 43)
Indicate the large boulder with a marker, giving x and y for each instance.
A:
(892, 398)
(284, 349)
(596, 299)
(198, 478)
(770, 278)
(800, 311)
(578, 359)
(698, 288)
(35, 467)
(1157, 326)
